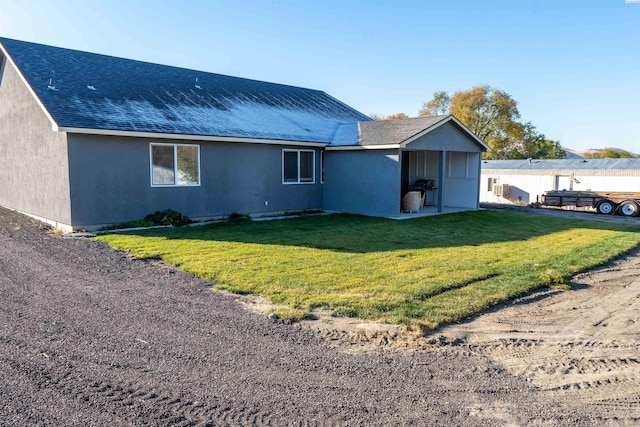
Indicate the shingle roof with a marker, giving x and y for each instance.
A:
(563, 164)
(383, 132)
(390, 132)
(394, 131)
(95, 91)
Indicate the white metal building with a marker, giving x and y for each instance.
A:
(522, 181)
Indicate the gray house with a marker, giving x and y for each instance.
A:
(88, 140)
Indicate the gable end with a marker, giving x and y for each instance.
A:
(446, 137)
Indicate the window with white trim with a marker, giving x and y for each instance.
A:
(174, 165)
(491, 181)
(298, 166)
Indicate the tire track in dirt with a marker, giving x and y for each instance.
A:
(581, 345)
(594, 372)
(38, 366)
(127, 400)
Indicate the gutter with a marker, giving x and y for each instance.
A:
(158, 135)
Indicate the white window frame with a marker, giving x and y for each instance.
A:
(491, 182)
(321, 166)
(175, 164)
(313, 168)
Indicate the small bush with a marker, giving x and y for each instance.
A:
(238, 217)
(168, 217)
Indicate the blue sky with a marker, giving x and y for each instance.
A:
(573, 66)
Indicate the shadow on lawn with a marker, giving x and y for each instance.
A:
(360, 234)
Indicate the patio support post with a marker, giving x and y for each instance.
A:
(441, 163)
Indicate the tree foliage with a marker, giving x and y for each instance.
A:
(396, 116)
(438, 106)
(610, 153)
(494, 117)
(531, 144)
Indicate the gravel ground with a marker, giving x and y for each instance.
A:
(566, 212)
(89, 336)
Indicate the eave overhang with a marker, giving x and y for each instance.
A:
(158, 135)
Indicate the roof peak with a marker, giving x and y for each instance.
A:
(122, 58)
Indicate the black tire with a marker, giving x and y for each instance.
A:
(629, 208)
(606, 207)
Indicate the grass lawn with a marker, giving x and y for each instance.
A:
(420, 272)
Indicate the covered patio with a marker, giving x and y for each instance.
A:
(445, 179)
(394, 159)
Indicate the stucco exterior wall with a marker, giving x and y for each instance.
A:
(447, 137)
(362, 182)
(33, 158)
(461, 183)
(110, 181)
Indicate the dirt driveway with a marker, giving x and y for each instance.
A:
(89, 336)
(580, 347)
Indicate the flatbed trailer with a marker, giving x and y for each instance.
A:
(604, 202)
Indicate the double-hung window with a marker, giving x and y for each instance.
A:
(298, 166)
(174, 165)
(491, 182)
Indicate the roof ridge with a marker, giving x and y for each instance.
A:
(413, 118)
(121, 58)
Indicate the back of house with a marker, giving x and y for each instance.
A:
(88, 140)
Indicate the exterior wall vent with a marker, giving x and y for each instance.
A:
(501, 190)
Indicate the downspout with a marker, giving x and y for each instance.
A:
(571, 178)
(479, 180)
(442, 159)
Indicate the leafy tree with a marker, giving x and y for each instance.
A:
(532, 144)
(389, 117)
(549, 149)
(438, 106)
(610, 153)
(494, 117)
(396, 116)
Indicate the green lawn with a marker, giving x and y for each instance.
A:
(420, 272)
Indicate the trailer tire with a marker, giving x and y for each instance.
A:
(629, 208)
(606, 207)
